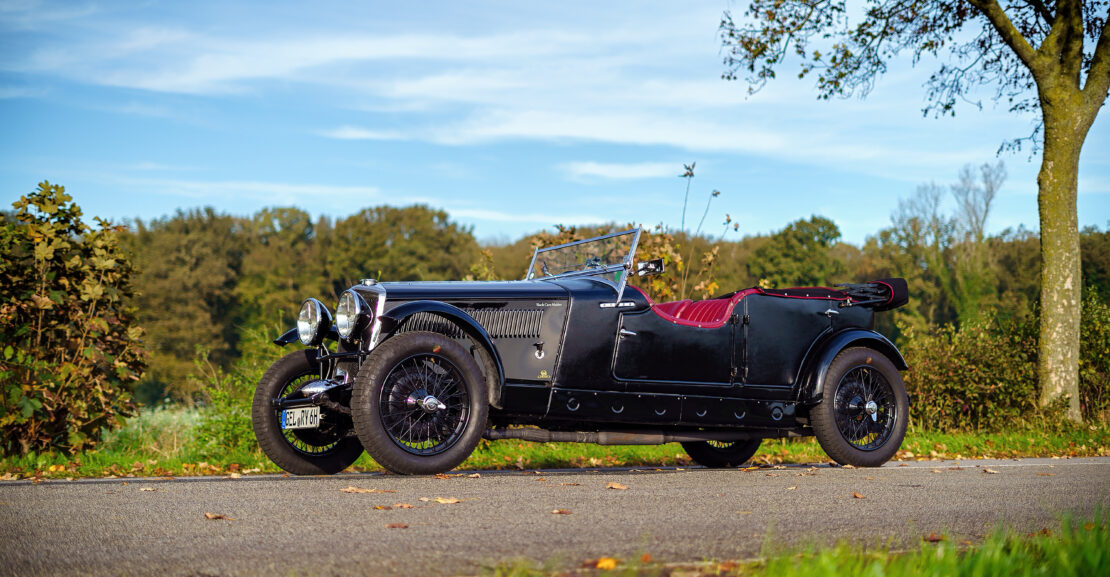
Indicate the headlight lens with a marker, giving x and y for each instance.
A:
(313, 322)
(347, 313)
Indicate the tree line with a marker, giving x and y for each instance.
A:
(208, 278)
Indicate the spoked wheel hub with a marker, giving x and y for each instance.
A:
(424, 407)
(865, 408)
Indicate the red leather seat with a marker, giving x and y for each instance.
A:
(706, 314)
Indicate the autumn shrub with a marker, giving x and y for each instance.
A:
(982, 375)
(71, 346)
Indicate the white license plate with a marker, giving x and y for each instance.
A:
(302, 418)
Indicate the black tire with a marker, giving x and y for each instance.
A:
(400, 431)
(322, 451)
(721, 454)
(851, 429)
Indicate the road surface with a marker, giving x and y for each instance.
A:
(307, 526)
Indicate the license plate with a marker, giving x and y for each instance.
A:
(302, 418)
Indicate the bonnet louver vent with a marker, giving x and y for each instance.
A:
(500, 324)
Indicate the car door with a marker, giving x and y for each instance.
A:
(653, 353)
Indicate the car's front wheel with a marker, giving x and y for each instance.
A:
(419, 404)
(721, 454)
(862, 417)
(326, 449)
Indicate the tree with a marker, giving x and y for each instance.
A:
(798, 255)
(1051, 57)
(71, 347)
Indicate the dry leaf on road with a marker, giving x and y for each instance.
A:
(474, 476)
(442, 476)
(396, 526)
(858, 496)
(382, 507)
(606, 564)
(402, 506)
(570, 484)
(447, 500)
(561, 512)
(934, 538)
(147, 489)
(794, 488)
(990, 471)
(361, 490)
(617, 486)
(216, 516)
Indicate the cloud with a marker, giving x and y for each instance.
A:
(580, 170)
(356, 133)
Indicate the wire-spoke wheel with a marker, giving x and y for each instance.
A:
(324, 450)
(419, 404)
(863, 414)
(721, 454)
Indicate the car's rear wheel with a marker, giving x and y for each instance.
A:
(862, 417)
(324, 450)
(721, 454)
(419, 404)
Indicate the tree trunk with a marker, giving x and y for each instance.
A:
(1065, 129)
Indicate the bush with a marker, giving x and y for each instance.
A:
(71, 347)
(982, 376)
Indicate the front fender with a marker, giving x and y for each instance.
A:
(392, 320)
(813, 377)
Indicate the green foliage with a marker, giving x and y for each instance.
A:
(71, 344)
(981, 376)
(798, 255)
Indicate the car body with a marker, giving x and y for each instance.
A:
(423, 370)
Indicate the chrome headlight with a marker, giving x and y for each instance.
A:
(352, 315)
(313, 322)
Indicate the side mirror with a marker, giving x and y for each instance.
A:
(649, 268)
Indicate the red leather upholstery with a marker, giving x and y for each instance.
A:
(707, 314)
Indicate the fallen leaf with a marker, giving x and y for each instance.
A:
(561, 512)
(645, 558)
(990, 471)
(1045, 474)
(402, 506)
(937, 471)
(934, 538)
(447, 500)
(215, 516)
(541, 479)
(396, 526)
(382, 507)
(795, 487)
(147, 489)
(474, 476)
(441, 476)
(423, 499)
(606, 564)
(569, 484)
(361, 490)
(858, 496)
(848, 467)
(744, 512)
(618, 487)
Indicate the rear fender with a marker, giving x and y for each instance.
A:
(491, 361)
(816, 368)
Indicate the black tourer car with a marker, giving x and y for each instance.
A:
(420, 372)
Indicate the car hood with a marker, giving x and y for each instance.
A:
(451, 290)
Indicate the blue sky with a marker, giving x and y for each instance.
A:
(510, 116)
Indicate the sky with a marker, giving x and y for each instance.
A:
(510, 116)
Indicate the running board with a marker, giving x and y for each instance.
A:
(637, 437)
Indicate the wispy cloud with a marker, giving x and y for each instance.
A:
(356, 133)
(581, 170)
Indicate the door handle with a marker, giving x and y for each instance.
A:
(627, 333)
(830, 313)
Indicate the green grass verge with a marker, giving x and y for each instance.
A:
(169, 442)
(1076, 548)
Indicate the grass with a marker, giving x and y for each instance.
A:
(1076, 548)
(169, 442)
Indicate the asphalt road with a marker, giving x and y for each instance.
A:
(309, 527)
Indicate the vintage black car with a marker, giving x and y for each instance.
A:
(421, 371)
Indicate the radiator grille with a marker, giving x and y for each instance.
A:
(500, 324)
